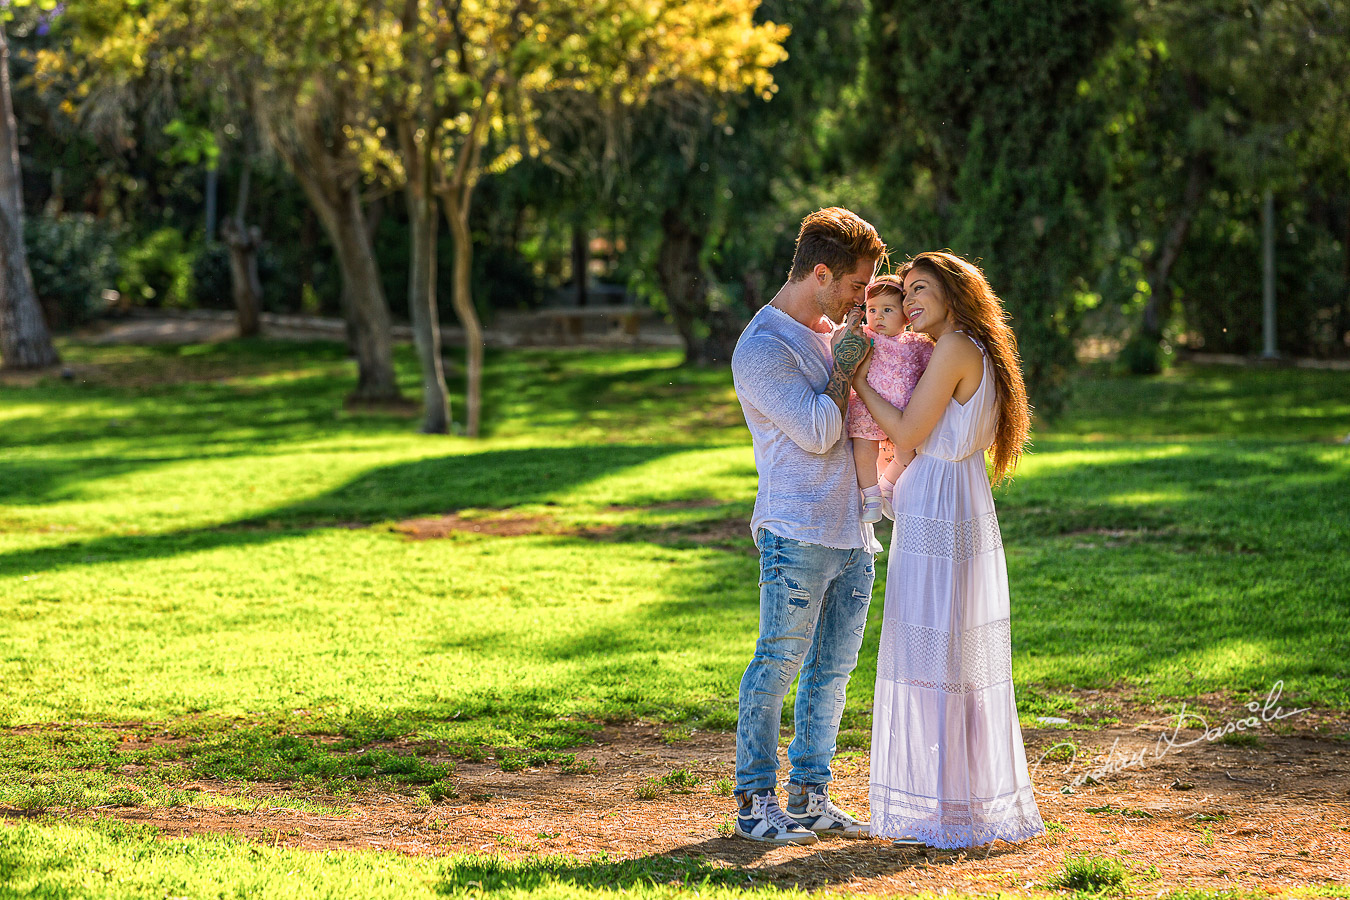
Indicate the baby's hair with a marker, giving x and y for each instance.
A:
(886, 284)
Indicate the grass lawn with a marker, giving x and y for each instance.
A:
(199, 543)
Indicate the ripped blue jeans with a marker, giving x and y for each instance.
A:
(812, 610)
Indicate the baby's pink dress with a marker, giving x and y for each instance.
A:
(897, 362)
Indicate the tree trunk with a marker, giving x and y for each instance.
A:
(339, 209)
(1342, 336)
(679, 270)
(580, 262)
(457, 214)
(243, 242)
(1159, 304)
(25, 342)
(422, 307)
(369, 309)
(680, 275)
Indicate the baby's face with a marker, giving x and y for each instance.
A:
(884, 315)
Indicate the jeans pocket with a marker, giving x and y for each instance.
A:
(770, 556)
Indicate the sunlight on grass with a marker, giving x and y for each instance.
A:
(110, 859)
(1144, 498)
(206, 538)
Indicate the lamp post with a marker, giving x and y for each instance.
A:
(1268, 350)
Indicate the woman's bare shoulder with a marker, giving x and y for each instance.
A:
(957, 353)
(959, 344)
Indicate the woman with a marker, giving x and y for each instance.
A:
(948, 766)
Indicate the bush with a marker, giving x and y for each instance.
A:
(1141, 356)
(73, 263)
(211, 288)
(157, 271)
(1220, 281)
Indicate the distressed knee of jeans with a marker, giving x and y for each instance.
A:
(788, 671)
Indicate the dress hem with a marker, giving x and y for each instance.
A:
(954, 838)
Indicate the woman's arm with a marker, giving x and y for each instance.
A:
(955, 359)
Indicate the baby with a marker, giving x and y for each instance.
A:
(898, 359)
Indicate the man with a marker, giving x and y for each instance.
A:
(792, 368)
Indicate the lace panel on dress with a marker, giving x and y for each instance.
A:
(939, 660)
(950, 823)
(957, 541)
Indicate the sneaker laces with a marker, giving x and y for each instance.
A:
(766, 807)
(822, 805)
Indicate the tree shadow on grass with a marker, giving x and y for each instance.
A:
(436, 486)
(719, 862)
(1111, 587)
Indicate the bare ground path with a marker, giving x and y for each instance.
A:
(1272, 814)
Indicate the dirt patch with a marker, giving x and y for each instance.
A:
(723, 533)
(1273, 814)
(706, 503)
(442, 527)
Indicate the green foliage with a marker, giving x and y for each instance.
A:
(156, 271)
(73, 261)
(997, 158)
(649, 789)
(1092, 874)
(680, 779)
(1141, 356)
(211, 287)
(1219, 279)
(1211, 105)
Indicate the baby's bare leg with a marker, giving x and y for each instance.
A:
(892, 474)
(865, 460)
(897, 466)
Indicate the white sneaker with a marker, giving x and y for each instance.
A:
(760, 819)
(810, 807)
(872, 510)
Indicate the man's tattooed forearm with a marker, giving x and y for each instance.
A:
(848, 355)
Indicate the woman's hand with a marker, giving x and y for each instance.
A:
(955, 358)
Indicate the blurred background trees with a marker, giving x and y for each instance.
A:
(1108, 162)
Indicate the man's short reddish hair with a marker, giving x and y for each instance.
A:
(836, 237)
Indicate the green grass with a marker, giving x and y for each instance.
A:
(197, 550)
(111, 860)
(1092, 875)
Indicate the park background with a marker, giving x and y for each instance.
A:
(327, 576)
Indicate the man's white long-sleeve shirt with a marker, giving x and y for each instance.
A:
(808, 486)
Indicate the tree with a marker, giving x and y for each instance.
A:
(704, 176)
(25, 342)
(1214, 99)
(301, 70)
(476, 79)
(243, 241)
(990, 140)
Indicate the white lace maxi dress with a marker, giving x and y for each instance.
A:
(948, 766)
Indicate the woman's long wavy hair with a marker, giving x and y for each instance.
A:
(979, 313)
